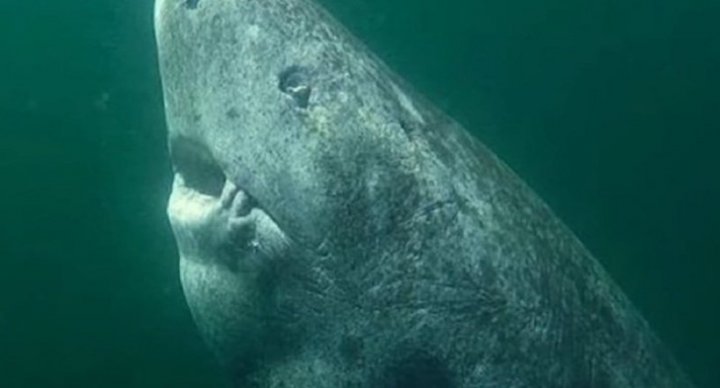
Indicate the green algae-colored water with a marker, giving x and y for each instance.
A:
(608, 109)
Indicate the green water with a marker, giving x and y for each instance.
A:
(608, 109)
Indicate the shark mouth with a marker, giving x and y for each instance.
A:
(214, 221)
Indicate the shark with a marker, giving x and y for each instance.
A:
(337, 229)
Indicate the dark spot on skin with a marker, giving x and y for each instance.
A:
(233, 113)
(409, 127)
(405, 126)
(295, 81)
(351, 348)
(191, 4)
(419, 370)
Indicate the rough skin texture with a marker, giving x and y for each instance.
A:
(337, 230)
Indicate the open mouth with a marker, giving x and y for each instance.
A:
(196, 166)
(214, 221)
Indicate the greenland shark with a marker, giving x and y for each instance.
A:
(335, 229)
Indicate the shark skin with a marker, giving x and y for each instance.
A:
(335, 229)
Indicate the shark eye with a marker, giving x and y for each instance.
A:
(191, 4)
(295, 81)
(197, 168)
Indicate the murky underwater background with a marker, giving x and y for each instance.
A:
(609, 109)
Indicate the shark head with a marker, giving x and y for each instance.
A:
(335, 230)
(295, 154)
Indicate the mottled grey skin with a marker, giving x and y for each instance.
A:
(336, 230)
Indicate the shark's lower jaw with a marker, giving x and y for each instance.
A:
(229, 253)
